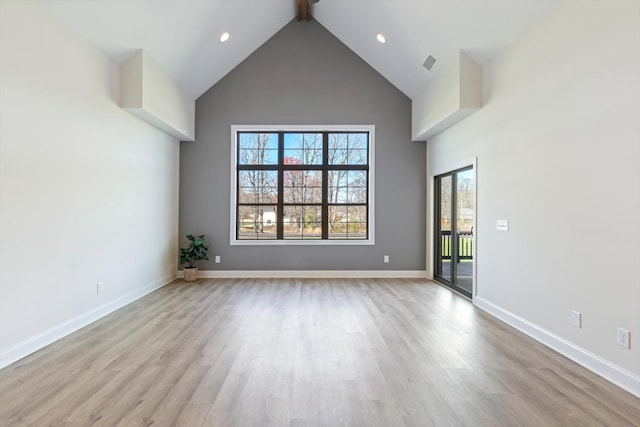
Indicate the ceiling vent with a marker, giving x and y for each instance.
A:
(428, 64)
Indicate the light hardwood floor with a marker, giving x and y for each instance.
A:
(305, 352)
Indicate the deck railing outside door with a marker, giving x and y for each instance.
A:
(465, 244)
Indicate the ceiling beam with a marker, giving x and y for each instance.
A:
(304, 10)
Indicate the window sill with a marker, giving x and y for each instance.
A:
(310, 242)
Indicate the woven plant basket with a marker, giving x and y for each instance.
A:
(190, 274)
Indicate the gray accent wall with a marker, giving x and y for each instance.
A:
(304, 75)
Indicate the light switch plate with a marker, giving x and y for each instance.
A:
(502, 224)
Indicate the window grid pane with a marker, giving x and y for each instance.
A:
(348, 149)
(302, 222)
(258, 149)
(348, 222)
(302, 186)
(257, 222)
(302, 148)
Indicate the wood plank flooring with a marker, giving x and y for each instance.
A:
(305, 352)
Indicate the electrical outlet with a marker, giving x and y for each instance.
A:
(624, 338)
(386, 258)
(217, 259)
(99, 287)
(576, 319)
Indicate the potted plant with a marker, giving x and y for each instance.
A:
(196, 251)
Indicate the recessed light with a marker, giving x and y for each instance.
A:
(224, 37)
(381, 38)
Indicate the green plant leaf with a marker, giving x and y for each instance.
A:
(196, 251)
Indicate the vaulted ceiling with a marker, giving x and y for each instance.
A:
(183, 35)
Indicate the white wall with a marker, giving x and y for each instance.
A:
(88, 192)
(558, 150)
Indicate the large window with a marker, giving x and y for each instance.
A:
(302, 186)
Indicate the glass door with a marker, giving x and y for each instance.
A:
(454, 213)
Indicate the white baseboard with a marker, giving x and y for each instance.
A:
(24, 348)
(617, 375)
(302, 274)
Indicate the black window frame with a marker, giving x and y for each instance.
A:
(325, 205)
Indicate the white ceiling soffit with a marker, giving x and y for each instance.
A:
(182, 36)
(415, 29)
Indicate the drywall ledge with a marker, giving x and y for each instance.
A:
(454, 93)
(148, 93)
